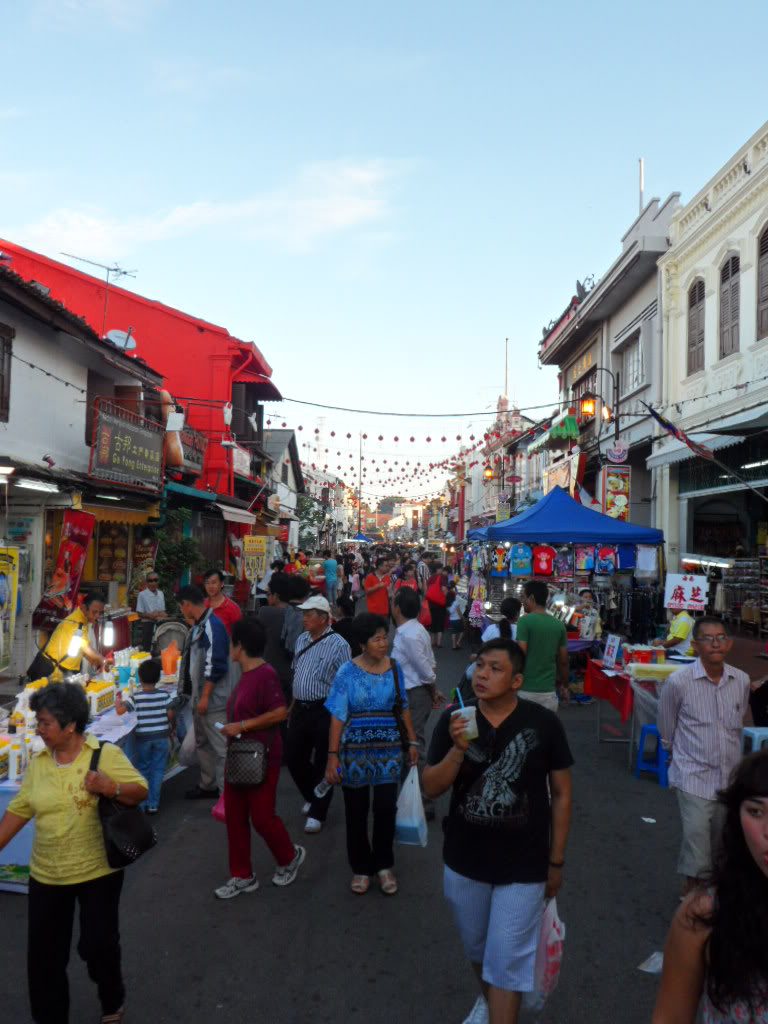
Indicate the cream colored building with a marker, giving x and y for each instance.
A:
(714, 281)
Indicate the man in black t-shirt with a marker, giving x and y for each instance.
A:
(504, 848)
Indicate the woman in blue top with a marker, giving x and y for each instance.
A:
(365, 749)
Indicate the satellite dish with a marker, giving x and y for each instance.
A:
(122, 339)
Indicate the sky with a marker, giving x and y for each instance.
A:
(376, 194)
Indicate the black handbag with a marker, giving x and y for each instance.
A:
(246, 762)
(127, 832)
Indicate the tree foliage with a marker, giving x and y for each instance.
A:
(175, 554)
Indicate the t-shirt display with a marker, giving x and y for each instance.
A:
(498, 825)
(585, 558)
(605, 562)
(545, 636)
(564, 561)
(543, 560)
(520, 560)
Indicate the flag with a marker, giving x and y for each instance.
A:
(698, 449)
(585, 498)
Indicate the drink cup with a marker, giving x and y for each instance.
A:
(469, 717)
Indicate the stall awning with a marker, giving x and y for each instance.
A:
(189, 492)
(135, 516)
(677, 451)
(235, 515)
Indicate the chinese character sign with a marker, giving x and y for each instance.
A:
(255, 551)
(684, 592)
(127, 451)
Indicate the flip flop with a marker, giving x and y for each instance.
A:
(387, 882)
(360, 884)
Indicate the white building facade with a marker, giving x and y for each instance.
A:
(715, 291)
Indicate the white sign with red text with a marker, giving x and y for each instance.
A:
(685, 592)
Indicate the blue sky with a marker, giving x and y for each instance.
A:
(377, 194)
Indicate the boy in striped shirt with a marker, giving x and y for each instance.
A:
(154, 714)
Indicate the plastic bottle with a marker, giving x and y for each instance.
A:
(15, 767)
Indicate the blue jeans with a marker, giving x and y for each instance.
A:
(151, 759)
(330, 590)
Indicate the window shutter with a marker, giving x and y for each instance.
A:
(729, 307)
(696, 327)
(762, 286)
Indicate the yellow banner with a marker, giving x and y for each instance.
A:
(255, 553)
(9, 588)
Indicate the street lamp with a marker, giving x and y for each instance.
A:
(588, 402)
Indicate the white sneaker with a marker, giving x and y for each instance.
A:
(235, 886)
(479, 1012)
(305, 809)
(286, 875)
(313, 825)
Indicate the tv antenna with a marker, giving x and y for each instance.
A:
(115, 271)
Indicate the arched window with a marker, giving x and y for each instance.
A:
(696, 326)
(762, 285)
(729, 307)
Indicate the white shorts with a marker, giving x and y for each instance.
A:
(546, 700)
(499, 927)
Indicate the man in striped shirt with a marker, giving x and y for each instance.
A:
(153, 714)
(702, 710)
(319, 654)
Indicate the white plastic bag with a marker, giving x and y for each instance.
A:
(549, 956)
(188, 750)
(411, 822)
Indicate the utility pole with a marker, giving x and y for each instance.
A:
(360, 487)
(506, 367)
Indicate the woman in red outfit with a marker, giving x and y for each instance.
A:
(256, 708)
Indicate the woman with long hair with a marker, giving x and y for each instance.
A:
(437, 590)
(716, 957)
(506, 627)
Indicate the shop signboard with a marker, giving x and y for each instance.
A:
(60, 595)
(616, 491)
(618, 453)
(193, 446)
(241, 462)
(255, 552)
(9, 585)
(128, 449)
(503, 511)
(685, 592)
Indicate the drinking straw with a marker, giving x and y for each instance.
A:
(458, 694)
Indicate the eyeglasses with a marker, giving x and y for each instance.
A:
(153, 579)
(720, 638)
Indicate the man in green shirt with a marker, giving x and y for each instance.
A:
(544, 640)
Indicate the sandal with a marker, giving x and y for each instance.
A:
(360, 884)
(113, 1018)
(387, 882)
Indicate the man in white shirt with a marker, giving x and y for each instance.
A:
(150, 604)
(413, 652)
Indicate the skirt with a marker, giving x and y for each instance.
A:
(371, 752)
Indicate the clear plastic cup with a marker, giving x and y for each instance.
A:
(469, 716)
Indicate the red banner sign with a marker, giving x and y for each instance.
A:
(60, 596)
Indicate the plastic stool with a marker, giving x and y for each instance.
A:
(658, 764)
(752, 739)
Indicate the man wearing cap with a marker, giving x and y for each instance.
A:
(319, 654)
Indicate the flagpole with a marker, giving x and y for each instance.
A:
(741, 479)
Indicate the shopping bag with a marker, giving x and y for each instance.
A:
(549, 956)
(425, 615)
(218, 812)
(188, 748)
(411, 822)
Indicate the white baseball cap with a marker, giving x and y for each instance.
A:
(316, 604)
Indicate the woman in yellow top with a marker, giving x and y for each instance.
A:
(69, 862)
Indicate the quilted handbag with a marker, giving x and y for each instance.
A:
(246, 762)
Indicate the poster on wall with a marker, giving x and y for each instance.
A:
(255, 551)
(112, 553)
(9, 586)
(685, 592)
(616, 491)
(142, 563)
(60, 595)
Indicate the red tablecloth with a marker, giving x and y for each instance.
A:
(615, 689)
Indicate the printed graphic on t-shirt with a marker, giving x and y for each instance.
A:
(543, 560)
(520, 560)
(493, 799)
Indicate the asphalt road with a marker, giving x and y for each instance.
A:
(316, 954)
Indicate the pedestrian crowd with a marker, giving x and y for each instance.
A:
(343, 700)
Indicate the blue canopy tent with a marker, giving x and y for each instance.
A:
(558, 519)
(479, 533)
(360, 538)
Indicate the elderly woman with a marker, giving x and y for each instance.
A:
(365, 751)
(69, 862)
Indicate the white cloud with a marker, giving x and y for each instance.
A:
(325, 199)
(187, 76)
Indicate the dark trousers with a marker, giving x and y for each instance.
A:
(366, 857)
(51, 918)
(307, 752)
